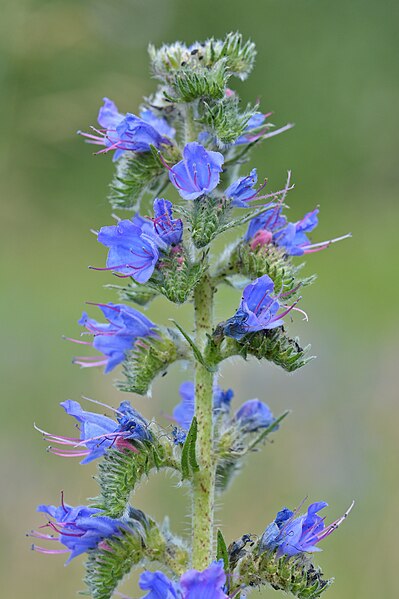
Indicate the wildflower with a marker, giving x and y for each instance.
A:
(198, 173)
(253, 415)
(258, 310)
(250, 134)
(192, 584)
(168, 229)
(272, 227)
(135, 244)
(290, 534)
(79, 528)
(114, 338)
(242, 190)
(183, 413)
(98, 433)
(128, 132)
(133, 249)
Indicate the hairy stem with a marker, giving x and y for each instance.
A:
(204, 479)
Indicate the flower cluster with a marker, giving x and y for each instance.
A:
(291, 534)
(272, 227)
(258, 310)
(125, 325)
(98, 433)
(193, 135)
(249, 418)
(78, 528)
(128, 132)
(192, 584)
(135, 245)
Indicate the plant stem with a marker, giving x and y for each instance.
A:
(204, 479)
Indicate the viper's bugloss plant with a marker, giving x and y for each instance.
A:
(190, 138)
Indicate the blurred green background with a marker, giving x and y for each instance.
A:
(329, 67)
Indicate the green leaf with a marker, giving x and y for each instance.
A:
(189, 462)
(119, 473)
(198, 356)
(149, 358)
(221, 550)
(189, 84)
(134, 292)
(224, 120)
(273, 345)
(136, 174)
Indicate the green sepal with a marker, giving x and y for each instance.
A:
(268, 260)
(143, 543)
(134, 292)
(207, 219)
(149, 358)
(221, 550)
(178, 276)
(190, 84)
(295, 575)
(273, 345)
(239, 56)
(233, 445)
(119, 472)
(189, 462)
(197, 354)
(224, 120)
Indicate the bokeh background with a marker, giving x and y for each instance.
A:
(329, 67)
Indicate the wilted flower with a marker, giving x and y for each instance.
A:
(192, 585)
(114, 338)
(98, 433)
(198, 173)
(79, 528)
(258, 310)
(128, 132)
(290, 534)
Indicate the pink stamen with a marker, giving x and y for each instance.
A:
(78, 341)
(104, 405)
(316, 247)
(38, 535)
(334, 525)
(278, 131)
(89, 365)
(68, 454)
(49, 551)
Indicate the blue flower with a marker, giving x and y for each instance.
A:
(193, 584)
(198, 173)
(168, 229)
(115, 337)
(272, 227)
(98, 433)
(258, 310)
(242, 191)
(133, 248)
(79, 528)
(158, 585)
(249, 135)
(253, 415)
(183, 413)
(128, 132)
(291, 535)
